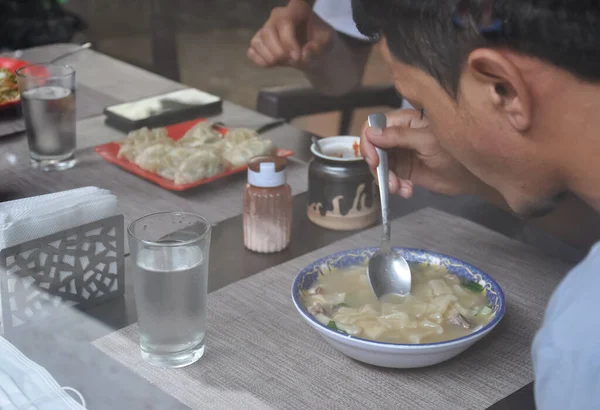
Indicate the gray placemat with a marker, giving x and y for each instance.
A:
(261, 355)
(89, 103)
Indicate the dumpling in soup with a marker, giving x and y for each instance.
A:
(199, 165)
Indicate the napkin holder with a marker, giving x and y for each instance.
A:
(79, 267)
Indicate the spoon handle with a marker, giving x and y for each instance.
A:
(379, 121)
(74, 51)
(384, 191)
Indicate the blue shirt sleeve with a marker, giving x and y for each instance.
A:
(566, 350)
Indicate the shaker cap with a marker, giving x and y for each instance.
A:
(266, 171)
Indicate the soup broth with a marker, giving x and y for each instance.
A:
(440, 307)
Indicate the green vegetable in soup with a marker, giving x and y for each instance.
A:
(333, 326)
(341, 305)
(486, 310)
(473, 286)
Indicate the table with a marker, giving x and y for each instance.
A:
(68, 354)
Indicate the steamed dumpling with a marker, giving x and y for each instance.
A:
(172, 161)
(201, 164)
(216, 146)
(137, 141)
(240, 135)
(240, 154)
(147, 136)
(201, 153)
(128, 151)
(199, 134)
(152, 158)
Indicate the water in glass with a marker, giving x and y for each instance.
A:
(49, 114)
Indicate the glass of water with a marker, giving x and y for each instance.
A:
(170, 254)
(48, 101)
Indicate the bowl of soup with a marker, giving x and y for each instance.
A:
(452, 305)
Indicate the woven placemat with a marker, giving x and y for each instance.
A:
(261, 355)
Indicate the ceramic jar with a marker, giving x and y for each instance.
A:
(342, 194)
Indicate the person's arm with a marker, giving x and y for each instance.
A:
(295, 36)
(416, 158)
(340, 68)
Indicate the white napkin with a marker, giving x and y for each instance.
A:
(25, 384)
(30, 218)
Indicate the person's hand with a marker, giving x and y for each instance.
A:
(416, 157)
(292, 36)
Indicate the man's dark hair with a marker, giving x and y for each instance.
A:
(437, 36)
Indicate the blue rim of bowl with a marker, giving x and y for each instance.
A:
(485, 329)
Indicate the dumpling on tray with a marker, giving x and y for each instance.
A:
(216, 146)
(147, 136)
(201, 153)
(199, 165)
(172, 161)
(200, 134)
(238, 136)
(153, 157)
(240, 154)
(137, 141)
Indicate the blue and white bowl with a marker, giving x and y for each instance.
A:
(401, 356)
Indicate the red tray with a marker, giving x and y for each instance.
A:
(109, 153)
(12, 65)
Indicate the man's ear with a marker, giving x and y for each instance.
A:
(504, 85)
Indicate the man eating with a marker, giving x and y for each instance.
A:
(507, 95)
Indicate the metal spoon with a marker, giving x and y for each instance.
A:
(76, 50)
(388, 272)
(315, 141)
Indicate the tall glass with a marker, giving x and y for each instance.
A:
(48, 101)
(170, 252)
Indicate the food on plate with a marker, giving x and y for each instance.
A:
(137, 141)
(200, 134)
(9, 88)
(239, 135)
(153, 157)
(239, 155)
(172, 160)
(440, 307)
(197, 166)
(201, 153)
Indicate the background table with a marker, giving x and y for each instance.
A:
(67, 352)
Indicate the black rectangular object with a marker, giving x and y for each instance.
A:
(171, 111)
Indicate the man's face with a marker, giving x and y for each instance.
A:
(478, 135)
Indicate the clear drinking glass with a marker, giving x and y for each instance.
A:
(170, 253)
(48, 101)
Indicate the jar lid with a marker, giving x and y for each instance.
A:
(266, 171)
